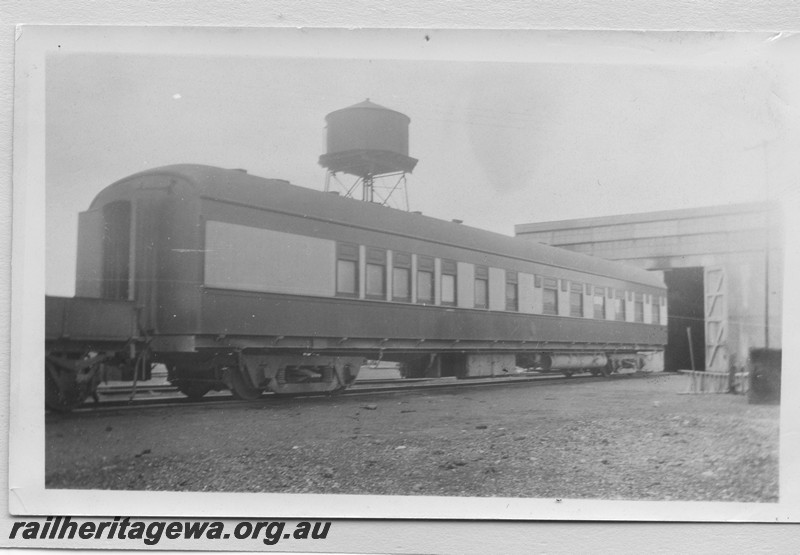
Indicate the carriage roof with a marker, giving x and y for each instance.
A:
(239, 187)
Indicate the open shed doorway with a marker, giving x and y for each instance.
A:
(685, 310)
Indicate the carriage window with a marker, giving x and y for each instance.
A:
(448, 282)
(638, 308)
(425, 272)
(346, 269)
(116, 249)
(576, 299)
(599, 303)
(376, 273)
(481, 287)
(401, 277)
(549, 296)
(512, 292)
(619, 306)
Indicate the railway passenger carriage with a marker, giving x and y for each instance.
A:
(252, 284)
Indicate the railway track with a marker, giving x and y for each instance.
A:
(117, 397)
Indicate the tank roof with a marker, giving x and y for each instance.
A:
(367, 105)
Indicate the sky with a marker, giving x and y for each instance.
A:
(599, 124)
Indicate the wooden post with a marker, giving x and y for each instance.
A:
(691, 348)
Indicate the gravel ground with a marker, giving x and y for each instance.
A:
(629, 437)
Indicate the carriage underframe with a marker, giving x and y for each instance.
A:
(248, 366)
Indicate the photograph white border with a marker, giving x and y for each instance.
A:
(27, 493)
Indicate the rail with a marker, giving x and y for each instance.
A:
(161, 395)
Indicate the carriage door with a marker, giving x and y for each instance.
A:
(716, 316)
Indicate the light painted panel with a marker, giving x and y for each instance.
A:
(588, 304)
(526, 294)
(466, 285)
(563, 298)
(538, 300)
(253, 259)
(362, 272)
(414, 278)
(437, 281)
(497, 289)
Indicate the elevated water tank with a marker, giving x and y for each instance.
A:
(367, 140)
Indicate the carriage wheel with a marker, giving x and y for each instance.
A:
(240, 384)
(193, 389)
(62, 393)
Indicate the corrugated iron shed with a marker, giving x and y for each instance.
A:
(725, 260)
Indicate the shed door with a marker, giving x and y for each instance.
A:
(716, 316)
